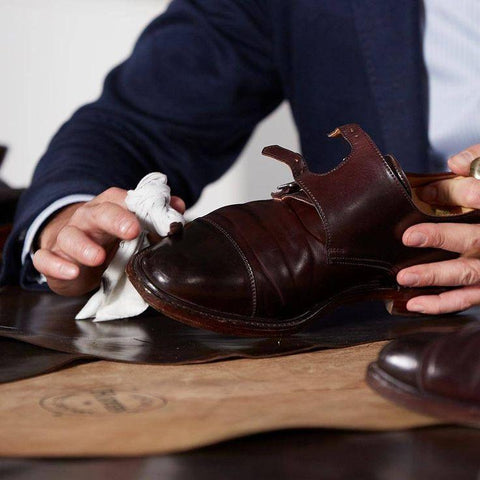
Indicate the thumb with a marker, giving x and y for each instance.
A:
(460, 163)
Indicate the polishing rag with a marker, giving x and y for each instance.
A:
(116, 297)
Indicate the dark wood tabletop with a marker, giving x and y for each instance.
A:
(448, 453)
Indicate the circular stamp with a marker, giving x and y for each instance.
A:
(101, 401)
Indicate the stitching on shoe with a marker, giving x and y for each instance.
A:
(390, 172)
(322, 216)
(291, 323)
(235, 245)
(361, 259)
(364, 259)
(363, 262)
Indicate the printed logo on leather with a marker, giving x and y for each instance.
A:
(101, 401)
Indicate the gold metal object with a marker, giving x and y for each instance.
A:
(475, 168)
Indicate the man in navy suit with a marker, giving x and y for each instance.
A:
(207, 71)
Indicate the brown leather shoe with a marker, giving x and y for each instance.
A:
(268, 268)
(433, 373)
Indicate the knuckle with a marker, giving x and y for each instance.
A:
(468, 277)
(110, 191)
(64, 237)
(475, 244)
(110, 216)
(429, 277)
(441, 241)
(100, 212)
(436, 236)
(114, 192)
(469, 271)
(81, 212)
(472, 192)
(476, 269)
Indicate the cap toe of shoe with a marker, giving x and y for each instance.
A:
(200, 267)
(402, 358)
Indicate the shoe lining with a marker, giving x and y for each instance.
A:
(412, 182)
(416, 182)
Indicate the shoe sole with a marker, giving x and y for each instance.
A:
(232, 324)
(405, 395)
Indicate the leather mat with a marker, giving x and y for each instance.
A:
(117, 409)
(19, 360)
(47, 320)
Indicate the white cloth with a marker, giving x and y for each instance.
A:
(116, 297)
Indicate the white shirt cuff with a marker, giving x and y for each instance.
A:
(38, 222)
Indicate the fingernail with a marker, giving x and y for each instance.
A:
(429, 194)
(68, 271)
(416, 239)
(125, 226)
(416, 307)
(90, 253)
(409, 279)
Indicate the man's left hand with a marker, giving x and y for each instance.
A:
(462, 272)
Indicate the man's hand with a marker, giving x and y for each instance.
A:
(78, 243)
(464, 271)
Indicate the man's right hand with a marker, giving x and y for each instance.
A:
(78, 243)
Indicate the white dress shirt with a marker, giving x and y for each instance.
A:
(452, 58)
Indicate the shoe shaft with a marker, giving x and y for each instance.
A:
(327, 233)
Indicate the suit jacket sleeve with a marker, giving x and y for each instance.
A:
(200, 78)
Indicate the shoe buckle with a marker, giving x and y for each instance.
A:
(285, 189)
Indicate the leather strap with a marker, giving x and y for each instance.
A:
(360, 142)
(295, 161)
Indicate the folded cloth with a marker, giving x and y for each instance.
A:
(116, 297)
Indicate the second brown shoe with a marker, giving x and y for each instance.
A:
(268, 268)
(433, 373)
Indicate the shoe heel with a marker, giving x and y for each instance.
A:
(396, 303)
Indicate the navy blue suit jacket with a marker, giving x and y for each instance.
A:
(202, 76)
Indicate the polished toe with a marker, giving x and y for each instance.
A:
(402, 358)
(218, 281)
